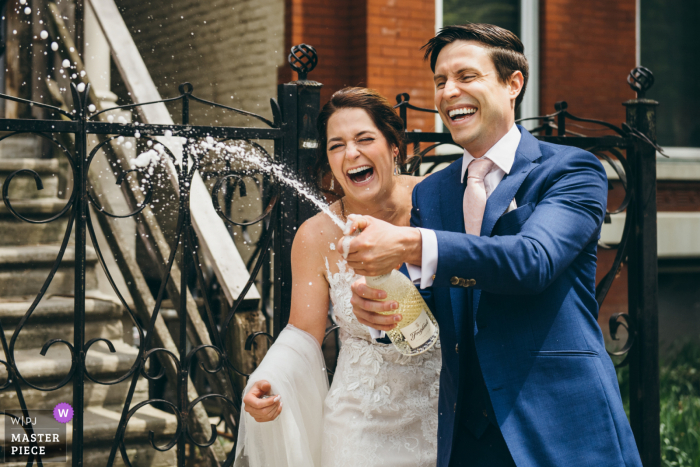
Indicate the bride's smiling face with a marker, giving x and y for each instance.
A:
(359, 155)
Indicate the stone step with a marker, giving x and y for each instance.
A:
(54, 317)
(21, 147)
(45, 371)
(16, 232)
(24, 269)
(95, 394)
(100, 427)
(34, 208)
(23, 186)
(140, 455)
(60, 309)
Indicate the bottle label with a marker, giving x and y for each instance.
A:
(419, 332)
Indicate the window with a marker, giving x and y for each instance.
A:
(669, 44)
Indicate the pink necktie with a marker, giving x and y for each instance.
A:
(475, 195)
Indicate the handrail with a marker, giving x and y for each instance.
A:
(143, 300)
(226, 262)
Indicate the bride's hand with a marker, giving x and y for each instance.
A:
(262, 409)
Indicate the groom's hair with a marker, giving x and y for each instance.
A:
(505, 49)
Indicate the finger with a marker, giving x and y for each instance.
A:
(270, 412)
(373, 305)
(264, 413)
(358, 223)
(373, 320)
(279, 411)
(260, 388)
(257, 403)
(361, 289)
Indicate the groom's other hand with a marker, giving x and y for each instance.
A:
(366, 306)
(380, 246)
(260, 404)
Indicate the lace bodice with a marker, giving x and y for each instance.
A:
(382, 406)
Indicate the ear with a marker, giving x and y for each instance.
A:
(395, 151)
(515, 84)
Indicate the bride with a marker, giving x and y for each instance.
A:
(382, 406)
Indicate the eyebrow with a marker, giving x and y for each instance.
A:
(459, 73)
(338, 138)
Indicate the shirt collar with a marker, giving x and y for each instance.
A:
(502, 153)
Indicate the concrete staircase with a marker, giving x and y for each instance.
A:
(27, 254)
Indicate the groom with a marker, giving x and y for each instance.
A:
(503, 246)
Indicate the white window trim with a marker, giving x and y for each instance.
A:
(438, 26)
(530, 35)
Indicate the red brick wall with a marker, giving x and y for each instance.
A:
(373, 43)
(396, 30)
(587, 51)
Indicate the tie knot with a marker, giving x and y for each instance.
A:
(479, 168)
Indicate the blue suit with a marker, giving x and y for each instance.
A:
(534, 369)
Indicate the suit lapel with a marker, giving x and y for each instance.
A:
(528, 151)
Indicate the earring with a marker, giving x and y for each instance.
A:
(397, 169)
(332, 183)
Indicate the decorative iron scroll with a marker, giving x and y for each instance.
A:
(80, 122)
(607, 147)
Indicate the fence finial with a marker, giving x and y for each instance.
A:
(303, 59)
(641, 79)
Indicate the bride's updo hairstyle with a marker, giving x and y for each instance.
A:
(377, 107)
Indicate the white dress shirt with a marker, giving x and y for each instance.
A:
(502, 154)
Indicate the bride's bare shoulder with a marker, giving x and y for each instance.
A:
(319, 231)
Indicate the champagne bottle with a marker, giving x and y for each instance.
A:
(418, 331)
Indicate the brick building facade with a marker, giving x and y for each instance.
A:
(585, 51)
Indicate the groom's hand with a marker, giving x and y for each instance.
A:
(366, 307)
(380, 247)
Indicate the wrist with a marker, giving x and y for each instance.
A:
(413, 246)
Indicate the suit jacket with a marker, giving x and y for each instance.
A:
(526, 289)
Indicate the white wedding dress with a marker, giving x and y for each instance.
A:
(381, 409)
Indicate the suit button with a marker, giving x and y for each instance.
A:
(454, 280)
(471, 282)
(485, 414)
(457, 348)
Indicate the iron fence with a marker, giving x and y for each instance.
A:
(295, 141)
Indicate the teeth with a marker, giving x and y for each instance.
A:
(462, 111)
(358, 169)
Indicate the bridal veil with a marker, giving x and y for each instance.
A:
(295, 368)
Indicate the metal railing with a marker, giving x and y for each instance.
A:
(294, 135)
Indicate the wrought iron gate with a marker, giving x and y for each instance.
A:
(295, 140)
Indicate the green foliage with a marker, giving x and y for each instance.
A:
(680, 406)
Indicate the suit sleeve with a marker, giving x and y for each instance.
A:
(426, 293)
(568, 216)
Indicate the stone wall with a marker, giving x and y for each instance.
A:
(228, 49)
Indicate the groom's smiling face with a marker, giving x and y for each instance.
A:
(474, 104)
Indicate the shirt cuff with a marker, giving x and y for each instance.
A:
(423, 275)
